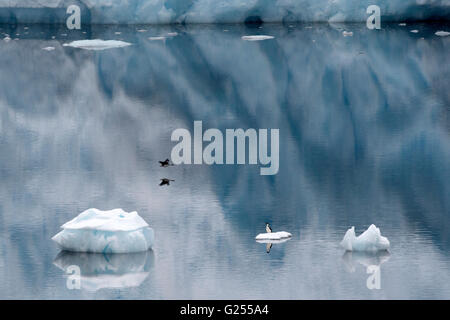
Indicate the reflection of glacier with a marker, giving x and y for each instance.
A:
(188, 11)
(100, 271)
(364, 133)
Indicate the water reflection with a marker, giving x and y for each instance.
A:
(364, 138)
(99, 271)
(366, 259)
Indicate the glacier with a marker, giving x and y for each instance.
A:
(112, 231)
(370, 240)
(222, 11)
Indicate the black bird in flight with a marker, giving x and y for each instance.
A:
(165, 181)
(164, 163)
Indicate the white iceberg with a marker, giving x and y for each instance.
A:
(113, 231)
(256, 38)
(273, 235)
(369, 240)
(97, 44)
(112, 271)
(442, 33)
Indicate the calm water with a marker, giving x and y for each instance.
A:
(364, 138)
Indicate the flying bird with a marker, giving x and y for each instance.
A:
(164, 163)
(165, 181)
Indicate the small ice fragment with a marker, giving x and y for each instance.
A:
(402, 24)
(64, 34)
(369, 240)
(172, 34)
(347, 33)
(256, 38)
(48, 48)
(97, 44)
(442, 33)
(273, 235)
(117, 32)
(414, 31)
(156, 38)
(100, 231)
(225, 30)
(7, 39)
(141, 30)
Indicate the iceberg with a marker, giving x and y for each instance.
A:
(113, 231)
(112, 271)
(97, 44)
(273, 235)
(369, 240)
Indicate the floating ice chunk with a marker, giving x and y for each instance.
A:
(7, 39)
(402, 24)
(273, 235)
(97, 44)
(256, 38)
(98, 271)
(48, 48)
(113, 231)
(172, 34)
(369, 240)
(156, 38)
(442, 33)
(141, 30)
(414, 31)
(347, 33)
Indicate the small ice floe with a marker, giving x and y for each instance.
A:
(172, 34)
(113, 231)
(117, 32)
(48, 48)
(257, 38)
(141, 30)
(7, 38)
(402, 24)
(442, 33)
(347, 33)
(97, 44)
(269, 235)
(156, 38)
(369, 240)
(280, 235)
(415, 31)
(113, 271)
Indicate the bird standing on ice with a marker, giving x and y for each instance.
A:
(268, 228)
